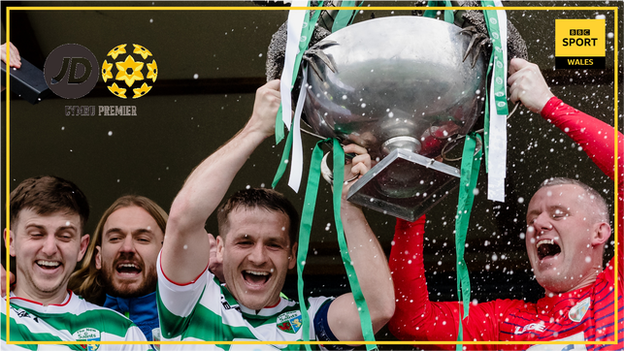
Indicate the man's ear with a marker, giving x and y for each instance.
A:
(220, 245)
(11, 243)
(98, 257)
(84, 243)
(292, 259)
(601, 233)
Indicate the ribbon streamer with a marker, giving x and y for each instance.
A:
(496, 109)
(295, 47)
(449, 17)
(358, 296)
(296, 167)
(294, 27)
(468, 182)
(344, 17)
(305, 229)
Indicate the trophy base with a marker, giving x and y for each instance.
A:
(405, 185)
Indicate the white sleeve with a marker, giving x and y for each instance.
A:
(176, 302)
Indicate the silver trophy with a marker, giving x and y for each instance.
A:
(400, 87)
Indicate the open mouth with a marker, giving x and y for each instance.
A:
(547, 248)
(256, 277)
(48, 265)
(128, 268)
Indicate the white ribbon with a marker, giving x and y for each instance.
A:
(294, 27)
(296, 166)
(498, 123)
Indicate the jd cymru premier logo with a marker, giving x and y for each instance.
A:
(71, 71)
(129, 73)
(129, 70)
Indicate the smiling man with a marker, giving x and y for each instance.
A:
(48, 215)
(257, 245)
(567, 229)
(119, 270)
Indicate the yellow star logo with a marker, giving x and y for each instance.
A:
(138, 49)
(152, 71)
(106, 71)
(120, 92)
(117, 50)
(129, 71)
(144, 89)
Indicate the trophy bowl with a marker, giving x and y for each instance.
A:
(400, 87)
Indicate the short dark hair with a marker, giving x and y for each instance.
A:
(47, 195)
(267, 199)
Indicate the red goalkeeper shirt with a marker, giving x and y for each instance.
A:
(585, 314)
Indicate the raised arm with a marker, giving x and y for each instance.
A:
(369, 262)
(417, 318)
(185, 253)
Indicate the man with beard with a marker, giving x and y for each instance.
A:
(567, 229)
(47, 239)
(119, 269)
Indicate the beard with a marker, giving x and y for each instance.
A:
(125, 289)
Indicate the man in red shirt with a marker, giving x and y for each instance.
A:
(567, 227)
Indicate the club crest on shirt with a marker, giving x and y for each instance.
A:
(289, 322)
(537, 327)
(577, 312)
(87, 334)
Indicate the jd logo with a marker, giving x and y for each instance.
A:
(71, 71)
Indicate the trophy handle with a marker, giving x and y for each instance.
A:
(327, 173)
(477, 149)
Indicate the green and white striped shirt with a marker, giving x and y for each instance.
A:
(73, 320)
(203, 310)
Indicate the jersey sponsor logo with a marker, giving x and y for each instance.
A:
(227, 306)
(24, 314)
(87, 334)
(577, 312)
(539, 327)
(290, 322)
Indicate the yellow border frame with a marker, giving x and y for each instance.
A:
(225, 8)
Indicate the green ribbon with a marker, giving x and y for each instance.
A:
(500, 97)
(491, 20)
(284, 162)
(309, 23)
(344, 17)
(448, 14)
(468, 182)
(358, 296)
(486, 118)
(305, 229)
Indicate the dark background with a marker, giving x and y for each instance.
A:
(210, 64)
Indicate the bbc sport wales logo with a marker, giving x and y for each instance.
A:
(127, 70)
(580, 43)
(71, 71)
